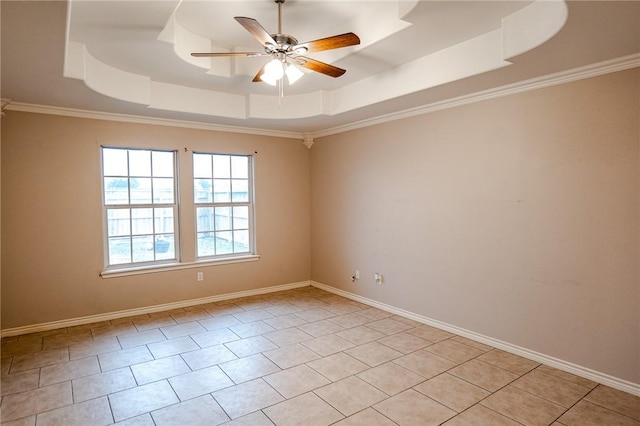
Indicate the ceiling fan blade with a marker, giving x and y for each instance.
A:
(321, 67)
(328, 43)
(256, 30)
(257, 79)
(215, 54)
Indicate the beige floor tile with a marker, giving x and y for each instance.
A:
(223, 309)
(432, 334)
(320, 328)
(484, 375)
(391, 378)
(452, 392)
(510, 362)
(185, 329)
(202, 411)
(152, 322)
(366, 417)
(200, 382)
(290, 356)
(191, 315)
(350, 320)
(20, 381)
(296, 381)
(141, 420)
(162, 368)
(141, 338)
(425, 363)
(350, 395)
(95, 412)
(252, 315)
(24, 404)
(113, 330)
(615, 400)
(208, 356)
(25, 421)
(586, 413)
(454, 351)
(360, 335)
(405, 320)
(375, 314)
(388, 326)
(338, 366)
(39, 359)
(479, 415)
(316, 314)
(95, 347)
(567, 376)
(374, 353)
(404, 342)
(551, 388)
(124, 358)
(327, 345)
(142, 399)
(69, 370)
(345, 308)
(20, 347)
(245, 398)
(215, 337)
(67, 339)
(249, 368)
(523, 407)
(251, 346)
(254, 419)
(282, 309)
(251, 329)
(285, 321)
(173, 347)
(288, 336)
(307, 409)
(90, 387)
(411, 408)
(472, 343)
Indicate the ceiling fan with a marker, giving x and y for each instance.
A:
(286, 52)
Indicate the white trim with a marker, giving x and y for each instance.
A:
(578, 370)
(588, 71)
(114, 273)
(593, 70)
(36, 328)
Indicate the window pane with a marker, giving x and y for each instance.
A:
(206, 244)
(139, 163)
(140, 191)
(114, 162)
(239, 167)
(163, 190)
(118, 222)
(202, 191)
(119, 250)
(142, 247)
(224, 242)
(240, 189)
(116, 190)
(162, 163)
(202, 166)
(241, 241)
(221, 166)
(223, 218)
(221, 190)
(241, 218)
(204, 219)
(163, 220)
(165, 248)
(141, 221)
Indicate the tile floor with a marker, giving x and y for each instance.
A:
(299, 357)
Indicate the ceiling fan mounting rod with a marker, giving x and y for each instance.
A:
(279, 3)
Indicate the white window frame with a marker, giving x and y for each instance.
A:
(136, 265)
(250, 254)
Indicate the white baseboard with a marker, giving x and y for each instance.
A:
(587, 373)
(36, 328)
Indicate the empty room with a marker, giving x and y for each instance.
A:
(305, 212)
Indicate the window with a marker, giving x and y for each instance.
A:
(223, 197)
(140, 203)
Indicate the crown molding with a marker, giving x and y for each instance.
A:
(588, 71)
(592, 70)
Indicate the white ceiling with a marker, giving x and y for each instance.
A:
(132, 57)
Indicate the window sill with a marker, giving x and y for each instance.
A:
(115, 273)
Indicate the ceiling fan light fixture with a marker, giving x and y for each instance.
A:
(293, 73)
(273, 71)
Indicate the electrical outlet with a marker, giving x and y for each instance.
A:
(378, 278)
(355, 276)
(200, 276)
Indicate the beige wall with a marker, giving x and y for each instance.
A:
(52, 249)
(517, 218)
